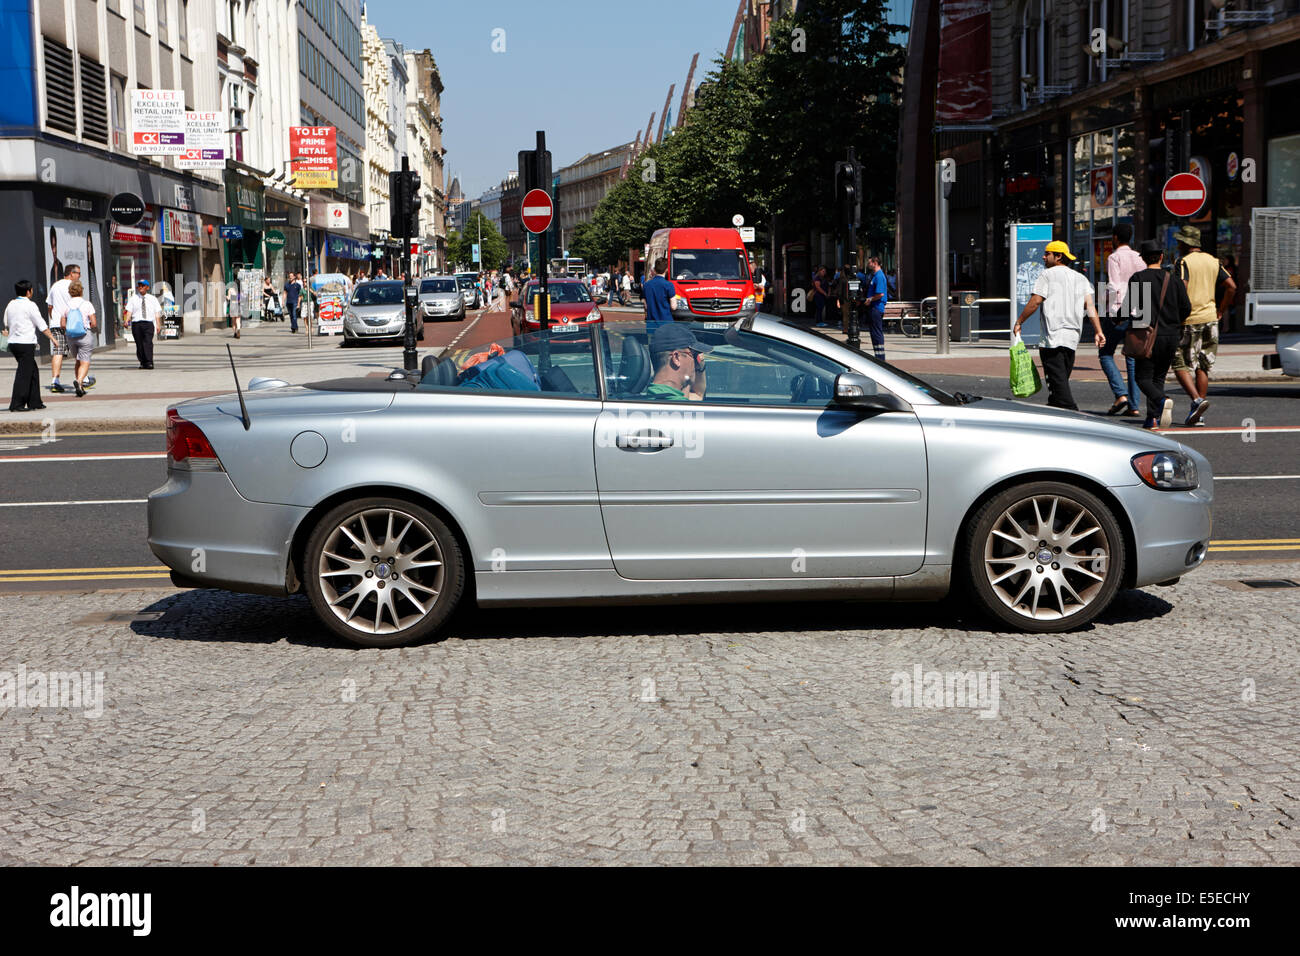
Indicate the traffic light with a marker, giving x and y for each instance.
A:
(404, 203)
(848, 195)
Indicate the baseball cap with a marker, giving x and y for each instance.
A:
(142, 282)
(1056, 245)
(673, 336)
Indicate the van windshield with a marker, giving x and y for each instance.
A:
(691, 264)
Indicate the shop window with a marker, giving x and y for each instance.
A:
(1102, 178)
(1284, 171)
(163, 36)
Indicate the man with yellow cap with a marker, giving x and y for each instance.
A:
(1064, 296)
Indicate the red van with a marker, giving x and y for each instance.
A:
(709, 269)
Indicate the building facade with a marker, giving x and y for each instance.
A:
(424, 132)
(65, 150)
(381, 140)
(583, 184)
(1095, 105)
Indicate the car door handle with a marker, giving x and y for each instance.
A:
(644, 441)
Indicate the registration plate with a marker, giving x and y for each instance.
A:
(565, 328)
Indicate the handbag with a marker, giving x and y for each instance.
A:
(1139, 342)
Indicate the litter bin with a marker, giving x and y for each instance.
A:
(963, 316)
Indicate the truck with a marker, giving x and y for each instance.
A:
(1274, 296)
(709, 270)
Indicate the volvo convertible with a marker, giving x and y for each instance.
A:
(753, 460)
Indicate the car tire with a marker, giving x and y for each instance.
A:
(1044, 557)
(353, 538)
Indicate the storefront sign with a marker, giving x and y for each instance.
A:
(275, 239)
(341, 247)
(245, 201)
(205, 141)
(1102, 183)
(232, 232)
(73, 204)
(126, 209)
(1196, 86)
(337, 215)
(157, 122)
(141, 231)
(315, 155)
(180, 228)
(1234, 164)
(1028, 242)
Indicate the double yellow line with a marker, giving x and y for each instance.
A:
(1257, 544)
(85, 574)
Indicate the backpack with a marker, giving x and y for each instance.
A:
(75, 324)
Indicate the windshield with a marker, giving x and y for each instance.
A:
(938, 394)
(437, 285)
(560, 292)
(709, 264)
(465, 282)
(378, 293)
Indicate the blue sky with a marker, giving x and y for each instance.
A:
(588, 73)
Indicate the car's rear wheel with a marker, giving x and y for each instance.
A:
(1045, 557)
(382, 572)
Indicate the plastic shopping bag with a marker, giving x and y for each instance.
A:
(1024, 373)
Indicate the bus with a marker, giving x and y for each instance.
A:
(568, 267)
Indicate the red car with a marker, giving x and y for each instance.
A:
(572, 308)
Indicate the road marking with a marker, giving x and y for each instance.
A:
(85, 577)
(1266, 547)
(53, 504)
(1254, 477)
(121, 570)
(1272, 429)
(89, 456)
(1257, 541)
(463, 332)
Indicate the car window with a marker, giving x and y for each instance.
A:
(742, 368)
(378, 293)
(520, 365)
(709, 264)
(437, 285)
(566, 292)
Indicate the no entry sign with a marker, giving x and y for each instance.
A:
(537, 210)
(1183, 195)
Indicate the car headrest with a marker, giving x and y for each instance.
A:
(426, 365)
(634, 367)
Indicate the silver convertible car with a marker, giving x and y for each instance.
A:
(708, 461)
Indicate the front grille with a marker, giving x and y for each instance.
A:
(714, 306)
(60, 87)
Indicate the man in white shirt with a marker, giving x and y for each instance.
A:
(1065, 296)
(22, 321)
(144, 313)
(56, 302)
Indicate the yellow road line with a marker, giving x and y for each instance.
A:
(1256, 541)
(143, 567)
(1266, 547)
(85, 577)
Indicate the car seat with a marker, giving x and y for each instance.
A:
(634, 367)
(440, 374)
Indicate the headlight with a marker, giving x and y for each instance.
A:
(680, 304)
(593, 315)
(1166, 470)
(749, 303)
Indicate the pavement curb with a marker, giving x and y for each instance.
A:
(36, 426)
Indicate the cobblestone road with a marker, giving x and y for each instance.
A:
(234, 731)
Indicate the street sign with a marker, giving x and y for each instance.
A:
(336, 213)
(275, 239)
(232, 232)
(474, 252)
(737, 220)
(536, 211)
(746, 233)
(1184, 195)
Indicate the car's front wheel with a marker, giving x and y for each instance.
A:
(1045, 557)
(382, 572)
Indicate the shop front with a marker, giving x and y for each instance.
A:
(1102, 157)
(134, 256)
(283, 239)
(347, 255)
(71, 231)
(243, 253)
(182, 268)
(1026, 162)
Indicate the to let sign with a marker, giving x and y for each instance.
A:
(536, 211)
(1184, 195)
(315, 155)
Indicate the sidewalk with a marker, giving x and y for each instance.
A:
(1238, 361)
(129, 398)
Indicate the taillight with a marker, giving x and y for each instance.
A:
(187, 446)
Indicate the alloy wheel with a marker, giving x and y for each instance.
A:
(1046, 557)
(381, 571)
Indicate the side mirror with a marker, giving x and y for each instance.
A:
(855, 390)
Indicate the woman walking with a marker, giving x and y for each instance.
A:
(1159, 298)
(22, 321)
(80, 323)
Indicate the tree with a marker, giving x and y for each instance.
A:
(460, 244)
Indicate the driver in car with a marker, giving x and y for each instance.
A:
(678, 358)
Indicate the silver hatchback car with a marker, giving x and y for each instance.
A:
(695, 462)
(440, 298)
(377, 311)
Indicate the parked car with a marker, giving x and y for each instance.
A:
(468, 282)
(529, 476)
(376, 311)
(440, 298)
(572, 307)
